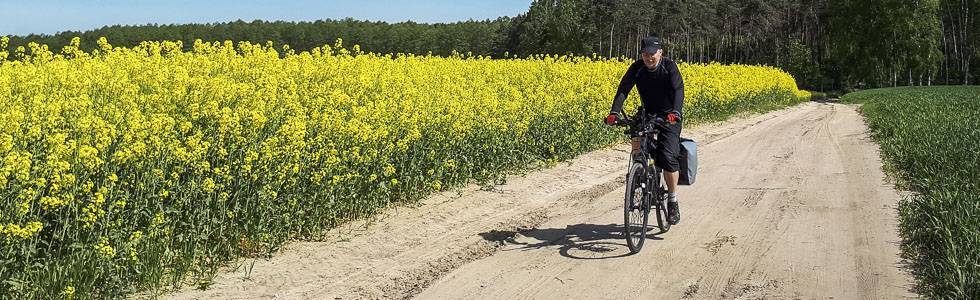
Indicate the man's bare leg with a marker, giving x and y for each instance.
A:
(671, 179)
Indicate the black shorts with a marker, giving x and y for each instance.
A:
(669, 148)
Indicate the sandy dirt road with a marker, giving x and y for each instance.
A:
(790, 204)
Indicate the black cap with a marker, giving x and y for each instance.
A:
(650, 44)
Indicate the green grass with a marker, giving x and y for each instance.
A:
(930, 141)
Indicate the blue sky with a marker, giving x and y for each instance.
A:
(19, 17)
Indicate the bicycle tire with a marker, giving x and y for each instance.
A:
(636, 208)
(662, 213)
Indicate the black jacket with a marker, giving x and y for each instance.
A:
(661, 90)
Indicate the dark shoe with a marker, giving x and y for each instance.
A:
(673, 213)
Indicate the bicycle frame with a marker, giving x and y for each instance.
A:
(652, 191)
(646, 134)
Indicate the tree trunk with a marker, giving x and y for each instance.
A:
(968, 50)
(598, 34)
(910, 77)
(894, 78)
(611, 28)
(945, 67)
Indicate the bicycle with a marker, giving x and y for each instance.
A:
(643, 183)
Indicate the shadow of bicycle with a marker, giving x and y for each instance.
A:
(580, 241)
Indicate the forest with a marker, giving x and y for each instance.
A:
(824, 44)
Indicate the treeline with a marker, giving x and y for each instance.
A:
(825, 44)
(405, 37)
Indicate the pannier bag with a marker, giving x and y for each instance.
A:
(689, 162)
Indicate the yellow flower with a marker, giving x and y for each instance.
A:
(89, 158)
(49, 202)
(157, 220)
(15, 231)
(68, 292)
(208, 185)
(134, 239)
(104, 249)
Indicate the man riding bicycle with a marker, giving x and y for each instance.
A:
(661, 88)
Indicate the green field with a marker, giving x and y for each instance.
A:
(930, 141)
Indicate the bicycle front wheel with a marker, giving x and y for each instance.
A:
(636, 210)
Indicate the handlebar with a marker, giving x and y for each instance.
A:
(657, 124)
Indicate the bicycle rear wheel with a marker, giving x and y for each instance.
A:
(661, 202)
(636, 210)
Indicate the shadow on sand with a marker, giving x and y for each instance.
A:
(580, 241)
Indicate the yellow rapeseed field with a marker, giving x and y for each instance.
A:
(125, 169)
